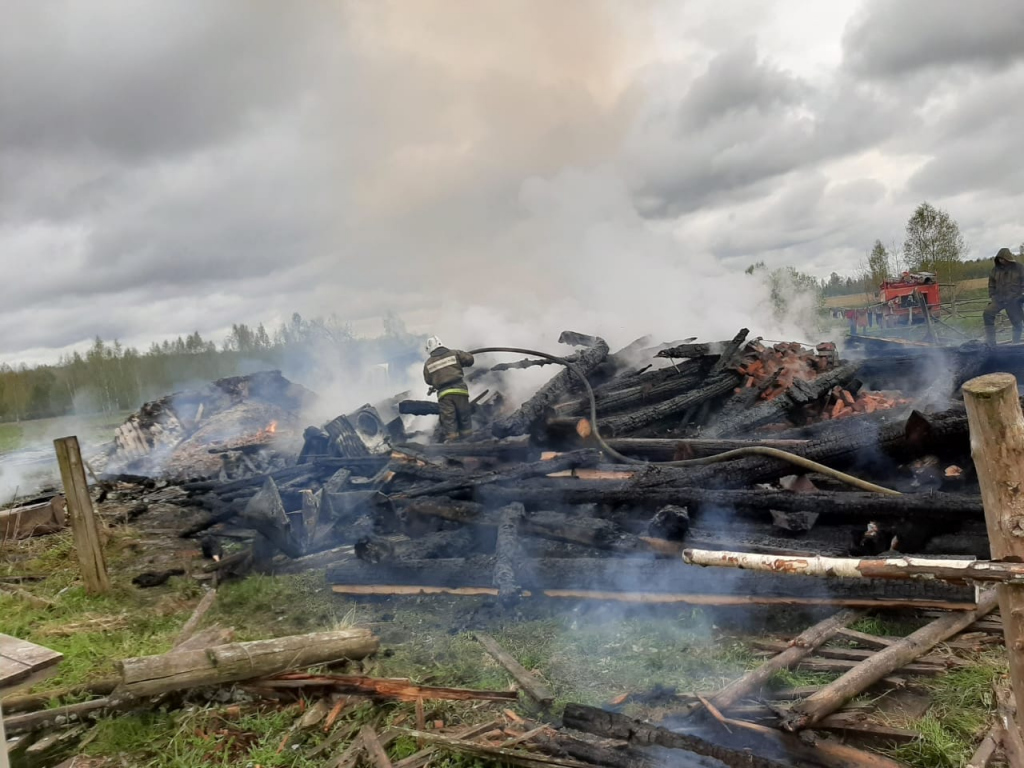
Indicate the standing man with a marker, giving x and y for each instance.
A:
(443, 372)
(1005, 291)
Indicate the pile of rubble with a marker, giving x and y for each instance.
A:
(535, 505)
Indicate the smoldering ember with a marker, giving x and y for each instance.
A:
(596, 496)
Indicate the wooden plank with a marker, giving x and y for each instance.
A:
(84, 526)
(19, 659)
(649, 598)
(529, 682)
(862, 638)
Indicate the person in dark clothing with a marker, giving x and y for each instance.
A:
(443, 372)
(1005, 291)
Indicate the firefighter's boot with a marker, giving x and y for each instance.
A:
(990, 335)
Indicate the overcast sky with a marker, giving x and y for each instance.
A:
(482, 167)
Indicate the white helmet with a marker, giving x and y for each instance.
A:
(433, 343)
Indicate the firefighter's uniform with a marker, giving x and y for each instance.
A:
(443, 372)
(1005, 291)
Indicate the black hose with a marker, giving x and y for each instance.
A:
(753, 450)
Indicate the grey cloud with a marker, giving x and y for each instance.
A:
(744, 123)
(890, 38)
(144, 79)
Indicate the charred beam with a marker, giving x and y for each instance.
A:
(565, 381)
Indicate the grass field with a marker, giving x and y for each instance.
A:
(590, 653)
(91, 429)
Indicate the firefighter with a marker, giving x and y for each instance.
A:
(443, 372)
(1005, 291)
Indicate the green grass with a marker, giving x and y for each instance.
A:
(960, 714)
(10, 437)
(590, 654)
(91, 429)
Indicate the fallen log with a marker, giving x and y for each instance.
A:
(397, 689)
(150, 675)
(830, 698)
(441, 544)
(987, 748)
(651, 388)
(508, 555)
(588, 531)
(508, 449)
(647, 575)
(590, 357)
(661, 598)
(47, 718)
(636, 420)
(668, 449)
(898, 568)
(190, 626)
(571, 460)
(862, 444)
(833, 506)
(533, 687)
(31, 701)
(857, 654)
(799, 648)
(700, 349)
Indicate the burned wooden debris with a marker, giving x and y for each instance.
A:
(416, 513)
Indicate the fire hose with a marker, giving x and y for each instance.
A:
(753, 450)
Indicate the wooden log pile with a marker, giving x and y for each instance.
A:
(534, 506)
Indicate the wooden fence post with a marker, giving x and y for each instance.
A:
(84, 526)
(997, 446)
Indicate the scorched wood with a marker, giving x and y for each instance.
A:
(800, 393)
(442, 544)
(741, 752)
(508, 556)
(651, 388)
(265, 513)
(674, 406)
(588, 531)
(639, 575)
(565, 381)
(572, 460)
(419, 407)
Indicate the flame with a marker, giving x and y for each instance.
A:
(272, 428)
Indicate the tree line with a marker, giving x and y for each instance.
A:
(932, 243)
(109, 377)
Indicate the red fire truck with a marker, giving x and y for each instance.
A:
(901, 299)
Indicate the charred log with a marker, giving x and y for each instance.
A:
(674, 406)
(573, 460)
(670, 523)
(508, 556)
(442, 544)
(644, 390)
(799, 394)
(265, 513)
(650, 576)
(564, 382)
(419, 408)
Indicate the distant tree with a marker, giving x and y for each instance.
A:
(786, 284)
(934, 243)
(1020, 251)
(877, 266)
